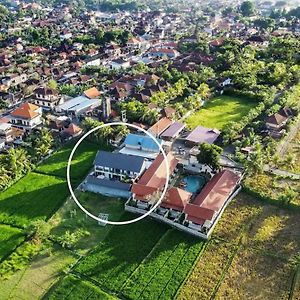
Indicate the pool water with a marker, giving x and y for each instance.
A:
(194, 183)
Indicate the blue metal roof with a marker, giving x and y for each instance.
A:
(142, 141)
(119, 161)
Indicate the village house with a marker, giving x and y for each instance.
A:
(46, 97)
(71, 131)
(118, 166)
(173, 131)
(27, 116)
(163, 52)
(202, 135)
(80, 104)
(14, 80)
(153, 181)
(202, 212)
(141, 145)
(174, 202)
(275, 123)
(160, 126)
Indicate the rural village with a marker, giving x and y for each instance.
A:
(216, 85)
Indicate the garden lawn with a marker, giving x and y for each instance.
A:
(162, 272)
(220, 110)
(70, 218)
(73, 288)
(33, 197)
(122, 251)
(81, 163)
(10, 238)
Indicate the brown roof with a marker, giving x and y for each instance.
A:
(176, 198)
(72, 129)
(92, 93)
(160, 126)
(46, 91)
(26, 111)
(213, 196)
(276, 119)
(154, 178)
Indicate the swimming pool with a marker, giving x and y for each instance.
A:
(194, 183)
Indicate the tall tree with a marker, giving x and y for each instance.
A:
(210, 155)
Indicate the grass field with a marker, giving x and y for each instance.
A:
(220, 110)
(33, 282)
(33, 197)
(9, 239)
(94, 203)
(254, 262)
(114, 260)
(144, 260)
(81, 163)
(162, 272)
(73, 288)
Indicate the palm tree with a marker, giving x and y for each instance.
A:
(42, 150)
(4, 178)
(16, 161)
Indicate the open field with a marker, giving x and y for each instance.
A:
(257, 264)
(254, 275)
(162, 272)
(33, 282)
(81, 163)
(33, 197)
(271, 186)
(9, 239)
(73, 288)
(220, 110)
(291, 160)
(114, 260)
(63, 221)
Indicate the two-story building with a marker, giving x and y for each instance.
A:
(46, 97)
(27, 116)
(118, 166)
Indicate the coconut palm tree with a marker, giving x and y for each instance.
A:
(16, 162)
(4, 178)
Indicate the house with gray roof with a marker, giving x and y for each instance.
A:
(118, 166)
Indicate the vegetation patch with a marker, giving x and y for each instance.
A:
(72, 287)
(69, 218)
(81, 163)
(220, 110)
(256, 276)
(10, 238)
(208, 271)
(33, 197)
(236, 217)
(124, 248)
(163, 271)
(33, 282)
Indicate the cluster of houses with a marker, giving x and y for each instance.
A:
(136, 171)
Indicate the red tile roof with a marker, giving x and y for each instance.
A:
(92, 93)
(213, 196)
(160, 126)
(26, 111)
(176, 198)
(73, 129)
(154, 179)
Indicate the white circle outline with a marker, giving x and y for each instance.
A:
(120, 222)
